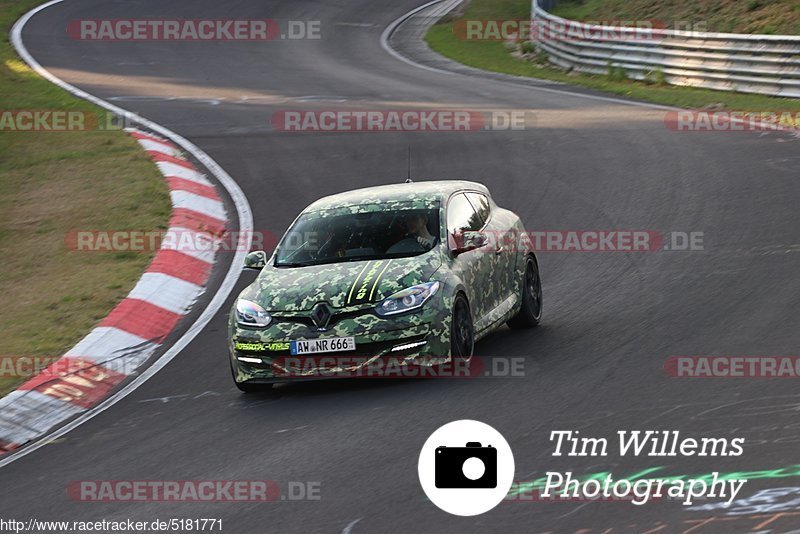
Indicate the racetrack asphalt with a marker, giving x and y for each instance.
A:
(611, 320)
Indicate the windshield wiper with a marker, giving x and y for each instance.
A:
(293, 264)
(348, 259)
(358, 258)
(326, 261)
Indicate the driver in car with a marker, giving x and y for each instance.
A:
(416, 226)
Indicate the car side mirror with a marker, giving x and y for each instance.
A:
(467, 241)
(255, 260)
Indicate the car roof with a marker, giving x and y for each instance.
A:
(409, 191)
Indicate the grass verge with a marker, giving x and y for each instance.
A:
(495, 56)
(50, 184)
(779, 17)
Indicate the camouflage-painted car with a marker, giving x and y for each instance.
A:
(416, 272)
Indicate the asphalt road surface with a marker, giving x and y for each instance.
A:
(596, 364)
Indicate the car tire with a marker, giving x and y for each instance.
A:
(462, 331)
(530, 313)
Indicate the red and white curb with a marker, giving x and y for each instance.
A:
(139, 324)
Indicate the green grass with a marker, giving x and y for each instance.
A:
(52, 183)
(578, 10)
(737, 16)
(495, 56)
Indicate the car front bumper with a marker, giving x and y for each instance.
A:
(391, 346)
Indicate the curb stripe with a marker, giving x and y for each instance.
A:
(180, 265)
(25, 415)
(193, 220)
(156, 147)
(95, 346)
(181, 184)
(180, 162)
(141, 136)
(165, 291)
(115, 349)
(130, 334)
(133, 330)
(76, 381)
(170, 170)
(143, 319)
(206, 206)
(199, 245)
(129, 355)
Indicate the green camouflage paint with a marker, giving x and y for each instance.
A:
(491, 282)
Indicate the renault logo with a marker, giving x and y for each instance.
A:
(321, 315)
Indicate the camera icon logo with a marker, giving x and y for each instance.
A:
(472, 466)
(466, 467)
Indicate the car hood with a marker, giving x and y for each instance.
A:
(342, 285)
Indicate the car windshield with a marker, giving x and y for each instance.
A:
(357, 233)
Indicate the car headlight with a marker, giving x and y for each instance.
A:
(251, 314)
(408, 299)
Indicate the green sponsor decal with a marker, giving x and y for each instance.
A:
(261, 347)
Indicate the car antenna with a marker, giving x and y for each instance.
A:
(408, 173)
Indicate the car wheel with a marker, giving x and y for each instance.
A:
(530, 313)
(462, 333)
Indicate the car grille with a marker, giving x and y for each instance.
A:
(335, 318)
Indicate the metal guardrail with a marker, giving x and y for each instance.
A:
(765, 64)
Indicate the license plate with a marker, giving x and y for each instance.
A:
(331, 344)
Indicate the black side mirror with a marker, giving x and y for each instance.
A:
(255, 260)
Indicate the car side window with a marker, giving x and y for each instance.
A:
(480, 202)
(461, 217)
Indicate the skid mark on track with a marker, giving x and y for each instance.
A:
(349, 528)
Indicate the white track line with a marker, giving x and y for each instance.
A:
(243, 213)
(387, 33)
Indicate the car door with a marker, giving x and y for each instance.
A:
(503, 254)
(473, 267)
